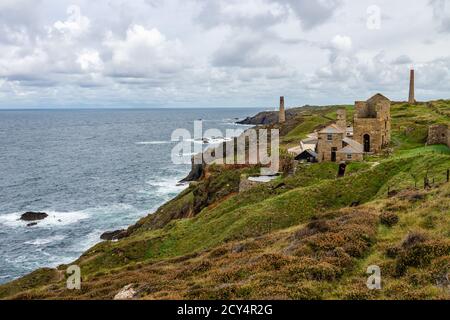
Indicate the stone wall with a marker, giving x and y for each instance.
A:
(342, 157)
(438, 134)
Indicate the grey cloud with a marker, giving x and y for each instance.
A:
(441, 13)
(244, 53)
(211, 15)
(20, 13)
(312, 13)
(403, 59)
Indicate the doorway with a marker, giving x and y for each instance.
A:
(333, 154)
(366, 143)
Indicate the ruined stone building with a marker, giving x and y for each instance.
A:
(372, 123)
(341, 142)
(439, 134)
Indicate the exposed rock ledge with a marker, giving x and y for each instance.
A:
(114, 235)
(269, 117)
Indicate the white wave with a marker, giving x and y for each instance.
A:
(165, 186)
(88, 241)
(44, 241)
(63, 218)
(54, 219)
(214, 141)
(198, 141)
(152, 142)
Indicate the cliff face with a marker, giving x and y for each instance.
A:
(304, 236)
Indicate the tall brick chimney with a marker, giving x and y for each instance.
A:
(411, 98)
(282, 118)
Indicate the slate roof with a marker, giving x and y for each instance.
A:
(332, 129)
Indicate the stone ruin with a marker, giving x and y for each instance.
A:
(438, 134)
(372, 123)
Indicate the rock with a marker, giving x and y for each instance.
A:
(33, 216)
(32, 224)
(197, 169)
(127, 293)
(238, 248)
(114, 235)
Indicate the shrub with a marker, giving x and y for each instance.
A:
(389, 219)
(414, 238)
(286, 162)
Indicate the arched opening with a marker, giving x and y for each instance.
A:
(342, 168)
(366, 143)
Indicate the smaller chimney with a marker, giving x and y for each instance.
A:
(342, 119)
(282, 118)
(411, 99)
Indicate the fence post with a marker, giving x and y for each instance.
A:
(448, 175)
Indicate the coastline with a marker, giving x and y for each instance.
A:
(53, 239)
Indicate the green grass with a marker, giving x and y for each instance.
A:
(255, 214)
(307, 126)
(410, 123)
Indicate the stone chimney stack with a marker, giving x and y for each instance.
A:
(282, 118)
(411, 98)
(342, 119)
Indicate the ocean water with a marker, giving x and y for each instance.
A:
(91, 170)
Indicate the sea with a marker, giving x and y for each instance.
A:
(91, 171)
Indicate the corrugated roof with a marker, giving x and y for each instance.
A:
(354, 144)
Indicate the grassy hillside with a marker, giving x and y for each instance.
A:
(304, 236)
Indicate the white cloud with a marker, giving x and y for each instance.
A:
(143, 52)
(90, 61)
(218, 53)
(75, 25)
(342, 43)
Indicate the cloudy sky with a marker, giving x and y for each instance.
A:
(219, 53)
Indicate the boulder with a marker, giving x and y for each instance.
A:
(127, 293)
(114, 235)
(32, 224)
(33, 216)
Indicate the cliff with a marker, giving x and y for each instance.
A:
(307, 235)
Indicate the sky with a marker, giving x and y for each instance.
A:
(220, 53)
